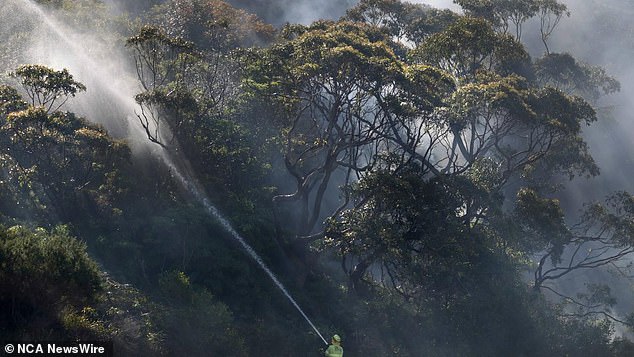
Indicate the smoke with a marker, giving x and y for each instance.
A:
(132, 7)
(93, 58)
(441, 4)
(101, 66)
(278, 12)
(294, 11)
(306, 11)
(600, 33)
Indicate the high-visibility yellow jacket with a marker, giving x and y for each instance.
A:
(334, 351)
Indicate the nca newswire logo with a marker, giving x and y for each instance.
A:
(102, 349)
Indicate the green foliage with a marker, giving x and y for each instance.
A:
(67, 161)
(158, 56)
(469, 45)
(562, 71)
(41, 274)
(542, 222)
(335, 86)
(490, 110)
(339, 49)
(57, 160)
(490, 96)
(197, 325)
(410, 224)
(402, 20)
(614, 216)
(212, 24)
(10, 101)
(505, 14)
(342, 50)
(439, 153)
(192, 92)
(501, 12)
(45, 86)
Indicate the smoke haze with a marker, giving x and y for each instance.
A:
(598, 32)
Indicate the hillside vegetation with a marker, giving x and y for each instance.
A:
(398, 169)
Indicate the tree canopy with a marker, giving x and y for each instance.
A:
(400, 170)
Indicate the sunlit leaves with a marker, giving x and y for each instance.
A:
(344, 96)
(58, 156)
(47, 87)
(469, 45)
(519, 126)
(436, 84)
(343, 51)
(404, 22)
(158, 56)
(488, 98)
(10, 100)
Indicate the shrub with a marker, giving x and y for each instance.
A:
(41, 274)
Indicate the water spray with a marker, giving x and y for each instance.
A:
(213, 211)
(184, 176)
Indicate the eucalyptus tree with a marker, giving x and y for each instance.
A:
(504, 14)
(471, 45)
(571, 76)
(428, 227)
(160, 61)
(67, 163)
(46, 87)
(407, 23)
(464, 116)
(186, 64)
(332, 83)
(192, 100)
(494, 131)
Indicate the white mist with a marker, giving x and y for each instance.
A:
(109, 100)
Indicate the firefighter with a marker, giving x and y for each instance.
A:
(335, 349)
